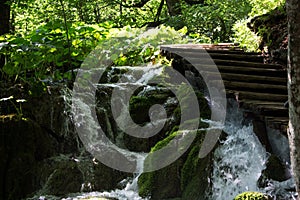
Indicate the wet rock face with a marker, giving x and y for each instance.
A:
(51, 111)
(42, 155)
(275, 170)
(23, 145)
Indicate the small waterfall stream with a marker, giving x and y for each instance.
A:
(237, 163)
(128, 192)
(240, 160)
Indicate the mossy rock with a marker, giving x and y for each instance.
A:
(195, 174)
(186, 178)
(252, 196)
(140, 104)
(64, 180)
(23, 144)
(163, 183)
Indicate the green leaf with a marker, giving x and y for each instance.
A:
(52, 50)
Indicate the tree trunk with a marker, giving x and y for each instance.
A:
(293, 13)
(4, 16)
(4, 24)
(174, 7)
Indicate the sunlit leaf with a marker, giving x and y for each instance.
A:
(52, 50)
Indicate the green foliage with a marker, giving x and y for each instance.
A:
(29, 15)
(242, 34)
(215, 19)
(45, 52)
(142, 46)
(245, 37)
(260, 7)
(251, 196)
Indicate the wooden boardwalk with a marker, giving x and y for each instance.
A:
(260, 89)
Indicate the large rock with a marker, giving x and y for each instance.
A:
(23, 144)
(186, 178)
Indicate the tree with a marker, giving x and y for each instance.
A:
(4, 23)
(4, 16)
(293, 7)
(174, 7)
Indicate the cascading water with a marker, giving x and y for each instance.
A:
(140, 77)
(129, 191)
(239, 161)
(237, 164)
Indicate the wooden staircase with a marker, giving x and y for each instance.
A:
(259, 88)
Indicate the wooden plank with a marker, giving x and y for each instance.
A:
(249, 103)
(245, 78)
(252, 87)
(241, 70)
(223, 55)
(205, 61)
(240, 95)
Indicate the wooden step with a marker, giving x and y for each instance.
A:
(241, 70)
(266, 108)
(252, 87)
(250, 103)
(279, 123)
(222, 46)
(240, 95)
(272, 110)
(207, 61)
(245, 78)
(221, 56)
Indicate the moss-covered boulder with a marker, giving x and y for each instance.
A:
(141, 103)
(195, 174)
(66, 178)
(186, 178)
(252, 196)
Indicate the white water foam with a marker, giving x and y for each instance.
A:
(129, 192)
(239, 161)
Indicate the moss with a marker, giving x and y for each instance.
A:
(186, 177)
(158, 184)
(190, 166)
(146, 184)
(164, 142)
(251, 196)
(195, 172)
(139, 105)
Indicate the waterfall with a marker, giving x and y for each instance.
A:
(128, 192)
(239, 161)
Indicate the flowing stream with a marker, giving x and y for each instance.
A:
(237, 163)
(129, 191)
